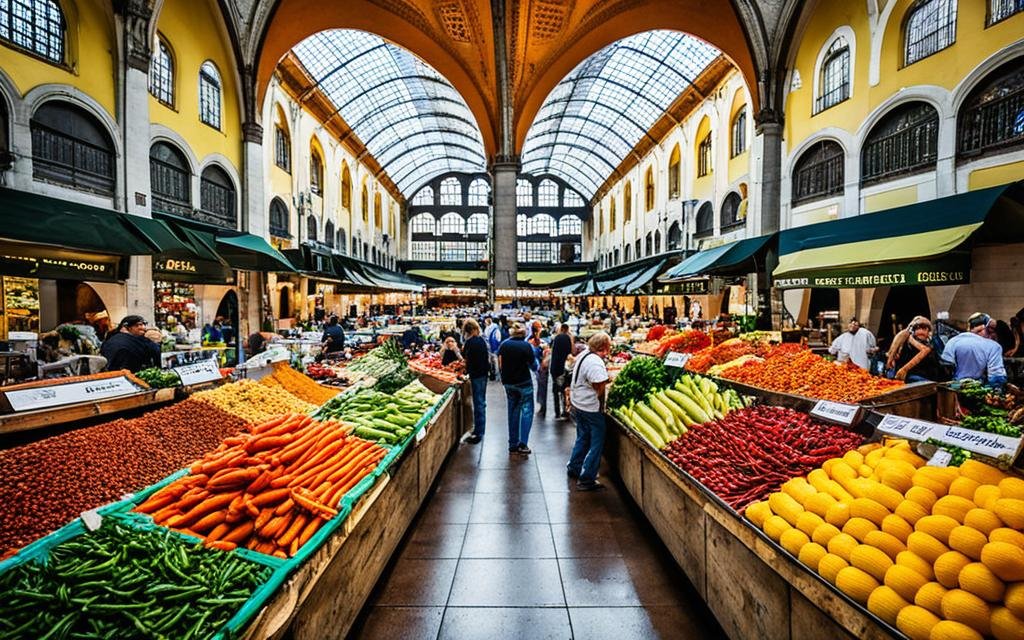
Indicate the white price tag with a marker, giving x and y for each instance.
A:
(988, 444)
(70, 393)
(422, 433)
(835, 412)
(92, 520)
(676, 359)
(941, 458)
(908, 428)
(198, 372)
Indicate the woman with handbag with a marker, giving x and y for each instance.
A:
(588, 383)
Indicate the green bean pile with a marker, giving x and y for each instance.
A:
(120, 583)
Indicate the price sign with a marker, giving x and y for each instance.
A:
(988, 444)
(908, 428)
(70, 393)
(198, 372)
(940, 459)
(676, 359)
(422, 433)
(836, 412)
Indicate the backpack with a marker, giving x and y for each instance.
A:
(492, 340)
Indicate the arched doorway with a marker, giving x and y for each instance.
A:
(78, 303)
(901, 305)
(822, 301)
(227, 311)
(284, 304)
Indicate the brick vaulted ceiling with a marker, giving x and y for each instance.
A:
(544, 41)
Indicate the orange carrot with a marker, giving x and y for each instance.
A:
(269, 498)
(270, 424)
(264, 443)
(285, 506)
(155, 503)
(209, 522)
(241, 532)
(261, 482)
(311, 527)
(218, 532)
(265, 516)
(297, 525)
(229, 478)
(223, 545)
(305, 499)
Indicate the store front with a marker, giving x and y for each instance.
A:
(190, 298)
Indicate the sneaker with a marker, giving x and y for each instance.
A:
(572, 474)
(589, 486)
(523, 449)
(473, 439)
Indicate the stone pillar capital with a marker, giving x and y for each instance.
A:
(136, 15)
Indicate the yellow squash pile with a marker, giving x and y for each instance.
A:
(936, 551)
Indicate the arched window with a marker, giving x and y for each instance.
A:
(739, 133)
(615, 257)
(627, 203)
(547, 193)
(365, 250)
(649, 244)
(311, 228)
(705, 220)
(612, 222)
(477, 224)
(355, 246)
(571, 199)
(217, 197)
(600, 222)
(657, 241)
(524, 193)
(70, 147)
(279, 218)
(209, 95)
(35, 25)
(675, 237)
(161, 74)
(835, 76)
(649, 189)
(673, 173)
(992, 116)
(1002, 9)
(570, 226)
(365, 202)
(453, 224)
(282, 148)
(329, 234)
(904, 141)
(342, 243)
(930, 27)
(636, 249)
(424, 197)
(170, 179)
(451, 192)
(478, 192)
(424, 223)
(704, 156)
(346, 187)
(540, 225)
(731, 211)
(625, 253)
(378, 213)
(521, 225)
(316, 171)
(819, 173)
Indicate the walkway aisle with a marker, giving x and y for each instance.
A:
(507, 548)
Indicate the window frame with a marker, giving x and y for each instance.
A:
(155, 78)
(278, 208)
(738, 131)
(991, 16)
(674, 173)
(175, 205)
(60, 58)
(76, 174)
(816, 165)
(282, 149)
(208, 188)
(627, 202)
(206, 95)
(704, 149)
(841, 55)
(910, 57)
(875, 139)
(316, 172)
(650, 196)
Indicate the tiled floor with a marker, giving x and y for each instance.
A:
(506, 548)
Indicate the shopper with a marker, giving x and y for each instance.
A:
(561, 347)
(911, 356)
(975, 356)
(492, 334)
(128, 348)
(450, 352)
(856, 345)
(515, 360)
(333, 338)
(543, 359)
(589, 379)
(477, 357)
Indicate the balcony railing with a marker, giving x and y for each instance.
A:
(819, 179)
(996, 123)
(906, 151)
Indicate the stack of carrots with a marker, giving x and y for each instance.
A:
(269, 490)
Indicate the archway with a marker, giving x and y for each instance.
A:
(227, 312)
(284, 303)
(900, 306)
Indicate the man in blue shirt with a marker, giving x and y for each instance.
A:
(975, 356)
(333, 338)
(515, 360)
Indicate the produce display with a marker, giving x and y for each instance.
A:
(117, 582)
(379, 362)
(938, 552)
(635, 380)
(983, 408)
(47, 483)
(104, 375)
(753, 451)
(686, 341)
(729, 351)
(429, 363)
(254, 402)
(159, 378)
(382, 417)
(297, 384)
(269, 490)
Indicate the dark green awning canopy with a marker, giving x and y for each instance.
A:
(730, 259)
(250, 252)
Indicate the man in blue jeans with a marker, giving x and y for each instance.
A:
(587, 386)
(515, 361)
(478, 367)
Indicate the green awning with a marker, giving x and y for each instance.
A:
(251, 252)
(645, 276)
(923, 243)
(733, 258)
(478, 277)
(382, 278)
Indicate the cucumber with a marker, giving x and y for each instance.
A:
(695, 411)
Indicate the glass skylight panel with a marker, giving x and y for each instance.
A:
(410, 118)
(596, 115)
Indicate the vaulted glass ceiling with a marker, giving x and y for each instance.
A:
(409, 117)
(594, 117)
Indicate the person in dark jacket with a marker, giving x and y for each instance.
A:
(561, 347)
(128, 349)
(516, 359)
(450, 352)
(477, 356)
(333, 338)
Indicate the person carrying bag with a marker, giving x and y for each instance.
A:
(589, 380)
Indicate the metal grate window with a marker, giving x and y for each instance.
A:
(424, 223)
(705, 220)
(904, 142)
(34, 25)
(570, 226)
(739, 133)
(161, 74)
(1002, 9)
(209, 95)
(69, 147)
(170, 180)
(835, 76)
(217, 198)
(316, 173)
(993, 115)
(819, 173)
(282, 149)
(931, 27)
(704, 156)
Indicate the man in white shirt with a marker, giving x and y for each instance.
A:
(855, 345)
(492, 336)
(587, 386)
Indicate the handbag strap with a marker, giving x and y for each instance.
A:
(576, 373)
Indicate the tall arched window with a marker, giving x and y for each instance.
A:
(424, 197)
(170, 179)
(477, 224)
(547, 193)
(649, 189)
(705, 220)
(365, 202)
(992, 116)
(571, 199)
(649, 244)
(217, 197)
(311, 228)
(835, 75)
(600, 222)
(540, 225)
(570, 226)
(675, 237)
(612, 222)
(34, 25)
(209, 95)
(521, 225)
(70, 147)
(346, 187)
(930, 27)
(453, 224)
(329, 234)
(673, 173)
(378, 213)
(342, 243)
(279, 219)
(524, 193)
(1002, 9)
(819, 173)
(316, 171)
(161, 74)
(739, 133)
(627, 203)
(704, 156)
(626, 254)
(451, 192)
(424, 223)
(355, 246)
(478, 191)
(731, 211)
(657, 240)
(282, 148)
(904, 141)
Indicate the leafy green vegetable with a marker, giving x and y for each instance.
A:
(159, 378)
(638, 378)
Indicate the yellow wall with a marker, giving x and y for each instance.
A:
(820, 214)
(192, 30)
(890, 199)
(90, 51)
(995, 176)
(740, 165)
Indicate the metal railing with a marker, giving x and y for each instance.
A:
(993, 124)
(910, 149)
(818, 179)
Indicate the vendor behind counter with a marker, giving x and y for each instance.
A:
(129, 348)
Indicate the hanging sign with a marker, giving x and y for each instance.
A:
(988, 444)
(70, 393)
(836, 412)
(198, 372)
(954, 268)
(697, 287)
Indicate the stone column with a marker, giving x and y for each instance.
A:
(503, 263)
(769, 127)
